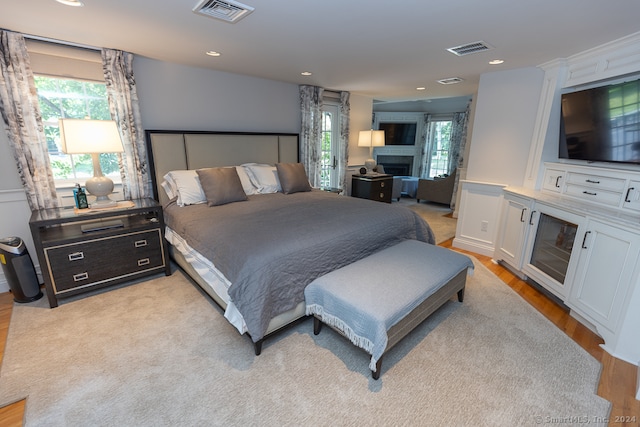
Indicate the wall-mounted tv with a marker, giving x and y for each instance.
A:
(399, 133)
(601, 124)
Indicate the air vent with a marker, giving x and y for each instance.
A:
(450, 81)
(470, 48)
(229, 11)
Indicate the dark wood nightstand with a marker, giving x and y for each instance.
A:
(373, 187)
(82, 250)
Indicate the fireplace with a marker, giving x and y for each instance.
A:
(396, 165)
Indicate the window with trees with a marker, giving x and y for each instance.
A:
(76, 99)
(439, 140)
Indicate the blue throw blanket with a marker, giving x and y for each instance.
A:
(365, 299)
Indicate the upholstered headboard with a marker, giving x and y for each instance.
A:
(175, 150)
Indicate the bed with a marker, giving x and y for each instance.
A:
(256, 250)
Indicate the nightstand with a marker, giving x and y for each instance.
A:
(372, 186)
(83, 250)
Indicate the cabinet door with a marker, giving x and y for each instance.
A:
(606, 263)
(513, 230)
(550, 257)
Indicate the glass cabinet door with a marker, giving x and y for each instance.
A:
(552, 247)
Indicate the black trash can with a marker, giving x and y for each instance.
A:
(19, 271)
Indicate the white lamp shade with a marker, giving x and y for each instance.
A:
(371, 138)
(80, 136)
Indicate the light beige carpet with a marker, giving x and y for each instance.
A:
(158, 353)
(438, 217)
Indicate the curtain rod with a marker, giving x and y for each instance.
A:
(61, 42)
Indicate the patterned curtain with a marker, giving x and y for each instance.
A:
(311, 131)
(457, 146)
(343, 158)
(423, 172)
(123, 104)
(23, 122)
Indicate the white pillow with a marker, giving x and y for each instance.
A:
(247, 185)
(186, 186)
(264, 177)
(168, 189)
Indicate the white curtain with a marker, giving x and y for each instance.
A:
(457, 146)
(125, 110)
(423, 172)
(311, 131)
(23, 122)
(343, 158)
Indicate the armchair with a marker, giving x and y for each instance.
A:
(438, 190)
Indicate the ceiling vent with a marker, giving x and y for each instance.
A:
(450, 81)
(470, 48)
(229, 11)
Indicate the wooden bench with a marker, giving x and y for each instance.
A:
(378, 300)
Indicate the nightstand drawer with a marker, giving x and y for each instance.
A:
(90, 262)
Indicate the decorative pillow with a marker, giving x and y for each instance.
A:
(247, 185)
(264, 177)
(221, 185)
(186, 186)
(168, 189)
(293, 178)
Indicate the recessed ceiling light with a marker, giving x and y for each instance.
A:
(213, 53)
(420, 88)
(76, 3)
(496, 61)
(306, 73)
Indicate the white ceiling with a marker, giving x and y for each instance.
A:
(379, 49)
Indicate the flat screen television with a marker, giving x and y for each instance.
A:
(399, 133)
(602, 124)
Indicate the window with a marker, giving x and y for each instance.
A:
(76, 99)
(330, 146)
(439, 138)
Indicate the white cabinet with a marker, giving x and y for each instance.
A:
(605, 272)
(516, 212)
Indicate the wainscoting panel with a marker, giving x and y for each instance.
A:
(477, 227)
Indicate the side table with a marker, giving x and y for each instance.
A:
(83, 250)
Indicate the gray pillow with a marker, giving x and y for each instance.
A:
(292, 177)
(221, 185)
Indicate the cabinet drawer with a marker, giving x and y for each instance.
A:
(96, 261)
(553, 180)
(596, 195)
(596, 181)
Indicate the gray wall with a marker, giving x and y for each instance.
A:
(174, 96)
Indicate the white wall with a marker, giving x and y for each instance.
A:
(506, 108)
(359, 119)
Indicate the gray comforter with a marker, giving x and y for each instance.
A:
(273, 245)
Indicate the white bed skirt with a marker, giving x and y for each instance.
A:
(211, 275)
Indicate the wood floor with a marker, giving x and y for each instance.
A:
(617, 382)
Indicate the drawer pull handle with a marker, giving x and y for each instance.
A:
(584, 240)
(590, 181)
(522, 214)
(76, 256)
(143, 261)
(531, 218)
(558, 181)
(589, 193)
(140, 243)
(382, 195)
(626, 197)
(80, 276)
(382, 184)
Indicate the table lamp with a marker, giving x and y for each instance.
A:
(84, 136)
(371, 138)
